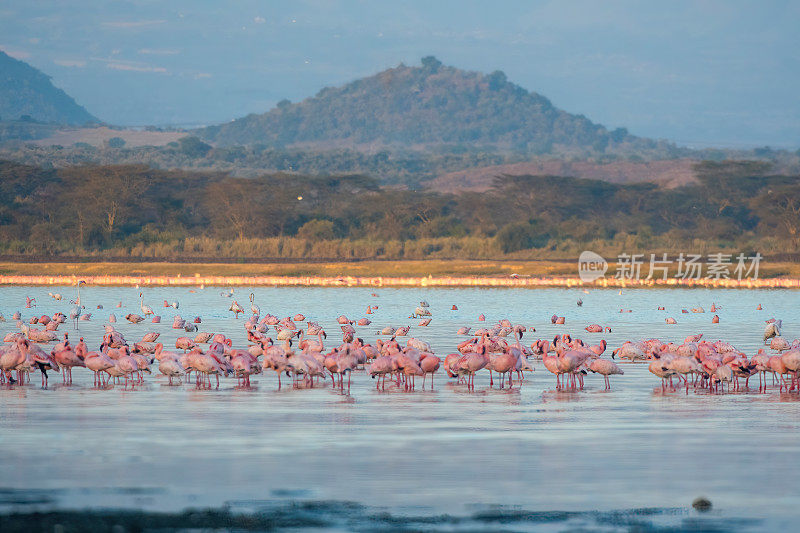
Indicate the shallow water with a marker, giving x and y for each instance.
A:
(419, 454)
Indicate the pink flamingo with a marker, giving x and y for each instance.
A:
(598, 349)
(411, 371)
(11, 358)
(551, 363)
(472, 363)
(571, 361)
(605, 368)
(503, 364)
(380, 367)
(778, 368)
(243, 365)
(171, 367)
(98, 362)
(67, 359)
(429, 365)
(184, 343)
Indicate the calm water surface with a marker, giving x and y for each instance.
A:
(432, 452)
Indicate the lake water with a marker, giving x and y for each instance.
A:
(443, 459)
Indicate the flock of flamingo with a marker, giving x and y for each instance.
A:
(300, 353)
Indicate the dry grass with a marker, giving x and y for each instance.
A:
(97, 136)
(361, 268)
(435, 268)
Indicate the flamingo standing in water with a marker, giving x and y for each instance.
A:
(184, 343)
(98, 362)
(75, 314)
(551, 363)
(503, 364)
(472, 363)
(236, 308)
(660, 369)
(146, 309)
(77, 300)
(598, 349)
(605, 368)
(429, 365)
(11, 358)
(380, 367)
(67, 358)
(275, 359)
(171, 367)
(255, 309)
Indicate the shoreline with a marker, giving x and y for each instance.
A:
(501, 274)
(380, 281)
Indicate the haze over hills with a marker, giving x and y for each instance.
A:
(430, 126)
(25, 90)
(423, 107)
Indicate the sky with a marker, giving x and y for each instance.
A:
(701, 73)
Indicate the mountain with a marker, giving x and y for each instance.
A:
(27, 93)
(422, 106)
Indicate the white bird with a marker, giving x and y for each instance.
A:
(146, 309)
(78, 300)
(285, 334)
(773, 329)
(75, 313)
(256, 310)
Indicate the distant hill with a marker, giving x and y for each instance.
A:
(27, 93)
(423, 106)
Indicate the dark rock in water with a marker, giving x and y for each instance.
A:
(701, 504)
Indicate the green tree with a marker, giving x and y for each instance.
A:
(317, 230)
(520, 236)
(193, 147)
(115, 142)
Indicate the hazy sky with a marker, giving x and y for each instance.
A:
(704, 72)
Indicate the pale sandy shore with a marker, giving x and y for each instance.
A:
(429, 273)
(382, 281)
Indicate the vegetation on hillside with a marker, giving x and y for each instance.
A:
(25, 129)
(144, 212)
(429, 105)
(409, 168)
(390, 167)
(26, 92)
